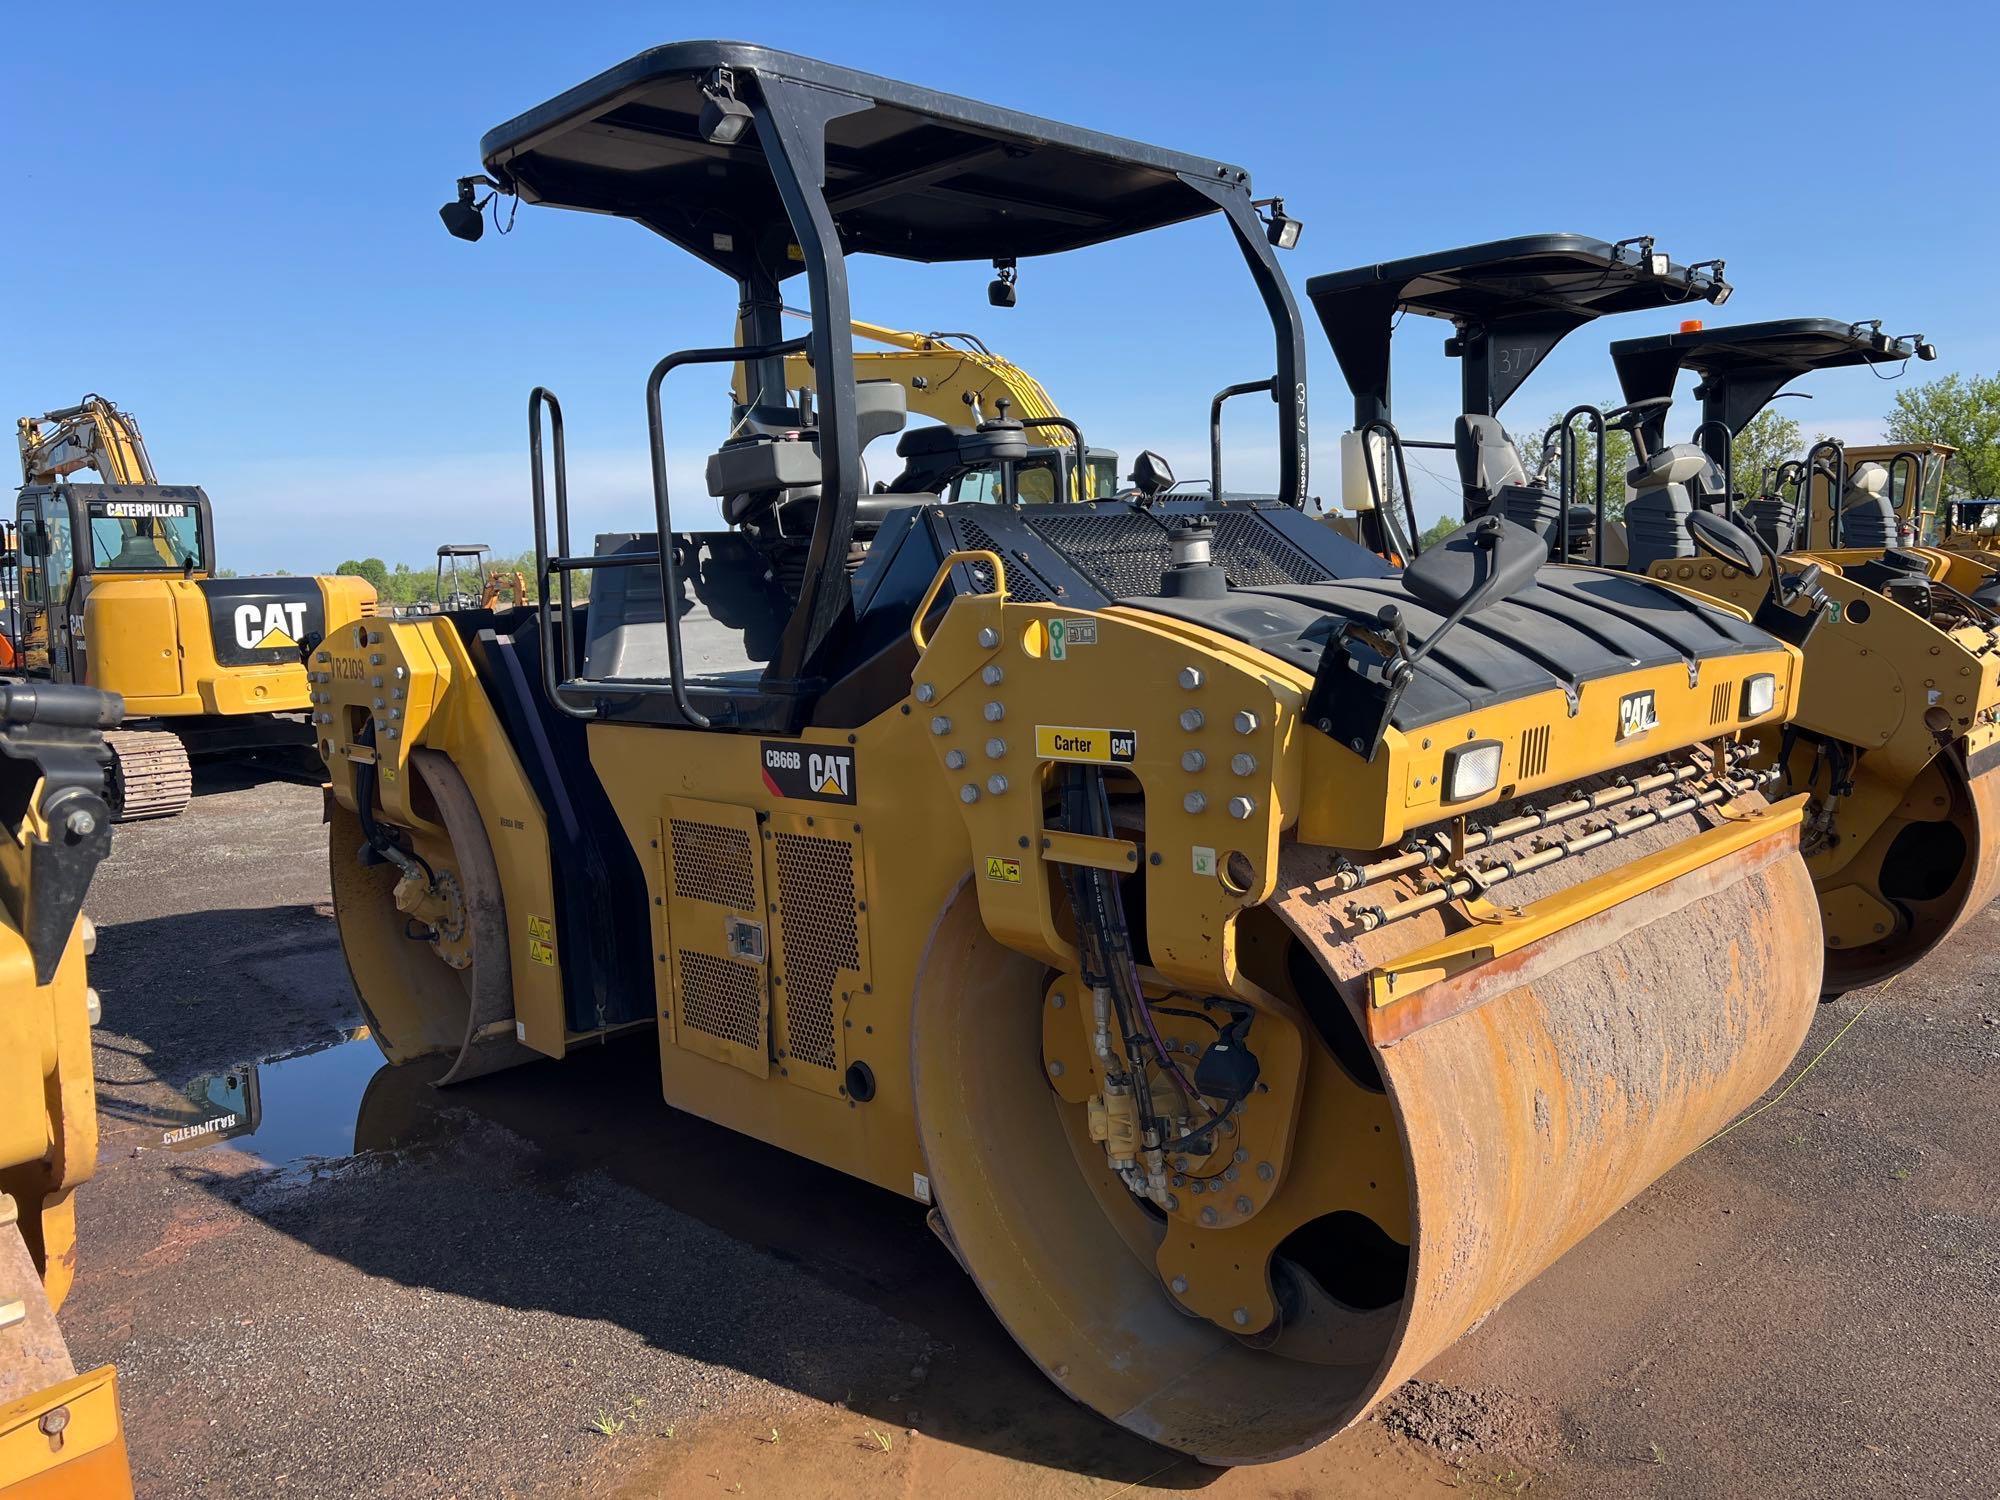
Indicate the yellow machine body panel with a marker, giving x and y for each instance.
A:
(61, 1437)
(150, 639)
(409, 685)
(770, 988)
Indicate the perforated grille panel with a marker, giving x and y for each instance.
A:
(722, 998)
(1124, 553)
(1024, 586)
(712, 863)
(820, 938)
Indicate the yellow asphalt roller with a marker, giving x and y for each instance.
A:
(1262, 959)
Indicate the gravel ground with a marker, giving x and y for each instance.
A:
(547, 1282)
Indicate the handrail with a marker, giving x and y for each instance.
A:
(1408, 546)
(545, 628)
(1565, 465)
(670, 582)
(1076, 436)
(1835, 478)
(979, 555)
(1241, 388)
(1727, 463)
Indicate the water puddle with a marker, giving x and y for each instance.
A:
(284, 1110)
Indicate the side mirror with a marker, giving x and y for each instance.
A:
(1151, 474)
(1479, 564)
(1726, 541)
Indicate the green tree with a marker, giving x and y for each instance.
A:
(371, 568)
(1964, 411)
(1444, 527)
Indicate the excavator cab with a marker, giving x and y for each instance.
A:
(1261, 959)
(1510, 302)
(1897, 739)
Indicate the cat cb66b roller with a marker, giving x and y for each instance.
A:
(1264, 960)
(1896, 741)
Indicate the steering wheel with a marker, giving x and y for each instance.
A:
(1632, 413)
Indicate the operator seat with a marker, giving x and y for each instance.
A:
(1496, 482)
(1656, 515)
(139, 550)
(1867, 514)
(1776, 520)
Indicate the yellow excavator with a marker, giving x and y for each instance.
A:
(959, 382)
(1263, 960)
(117, 588)
(60, 1430)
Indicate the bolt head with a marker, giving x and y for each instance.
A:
(995, 749)
(1193, 760)
(1242, 764)
(992, 673)
(1194, 802)
(1179, 1285)
(988, 637)
(1241, 1317)
(1244, 1205)
(995, 711)
(1191, 719)
(1208, 1216)
(1242, 807)
(954, 760)
(1055, 1069)
(996, 785)
(93, 1006)
(940, 724)
(1265, 1171)
(968, 793)
(81, 822)
(54, 1421)
(1191, 678)
(1246, 721)
(925, 692)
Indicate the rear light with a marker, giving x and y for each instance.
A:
(1760, 695)
(1471, 770)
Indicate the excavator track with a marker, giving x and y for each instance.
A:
(151, 776)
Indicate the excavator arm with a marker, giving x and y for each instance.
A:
(93, 434)
(952, 378)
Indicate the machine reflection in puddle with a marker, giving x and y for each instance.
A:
(292, 1109)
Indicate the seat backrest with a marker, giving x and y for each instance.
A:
(1487, 459)
(1656, 512)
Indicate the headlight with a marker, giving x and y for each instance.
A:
(1760, 695)
(1471, 770)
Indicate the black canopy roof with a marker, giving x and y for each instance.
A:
(1743, 367)
(910, 172)
(1511, 301)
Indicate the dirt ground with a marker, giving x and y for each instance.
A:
(548, 1283)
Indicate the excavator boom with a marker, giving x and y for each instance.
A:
(93, 434)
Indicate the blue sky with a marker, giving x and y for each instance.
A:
(229, 224)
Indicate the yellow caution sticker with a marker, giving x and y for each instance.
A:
(541, 941)
(1095, 746)
(1008, 870)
